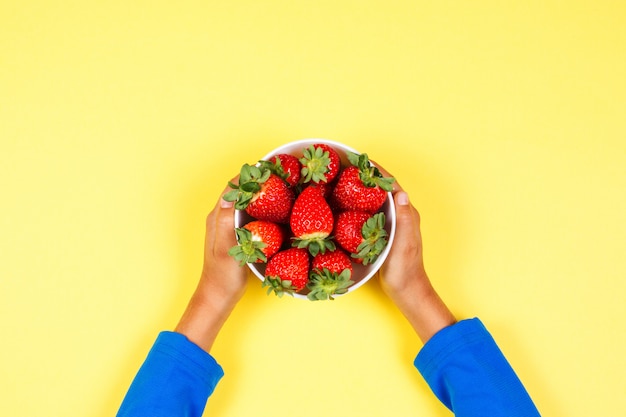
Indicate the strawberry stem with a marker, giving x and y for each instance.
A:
(250, 179)
(247, 250)
(324, 284)
(278, 286)
(368, 173)
(315, 163)
(374, 239)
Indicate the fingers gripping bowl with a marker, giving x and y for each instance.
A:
(297, 228)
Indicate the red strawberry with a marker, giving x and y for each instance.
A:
(334, 261)
(287, 271)
(286, 166)
(361, 186)
(312, 221)
(331, 273)
(320, 163)
(325, 188)
(258, 241)
(264, 196)
(361, 234)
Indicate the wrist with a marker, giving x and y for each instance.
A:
(205, 315)
(215, 299)
(408, 290)
(423, 308)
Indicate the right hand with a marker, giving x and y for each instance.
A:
(404, 266)
(403, 277)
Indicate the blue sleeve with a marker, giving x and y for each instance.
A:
(469, 374)
(176, 379)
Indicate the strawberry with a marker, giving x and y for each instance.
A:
(361, 234)
(286, 166)
(287, 271)
(361, 186)
(334, 261)
(257, 241)
(263, 195)
(320, 163)
(325, 188)
(331, 273)
(312, 221)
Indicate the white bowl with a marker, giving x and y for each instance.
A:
(361, 273)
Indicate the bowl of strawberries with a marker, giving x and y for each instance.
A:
(314, 219)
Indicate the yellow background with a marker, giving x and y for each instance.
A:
(121, 121)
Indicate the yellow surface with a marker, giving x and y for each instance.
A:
(121, 121)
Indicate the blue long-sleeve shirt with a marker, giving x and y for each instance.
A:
(461, 363)
(466, 370)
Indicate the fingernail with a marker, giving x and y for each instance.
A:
(225, 204)
(402, 198)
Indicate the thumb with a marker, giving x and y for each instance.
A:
(407, 218)
(226, 222)
(403, 209)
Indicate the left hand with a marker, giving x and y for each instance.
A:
(222, 282)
